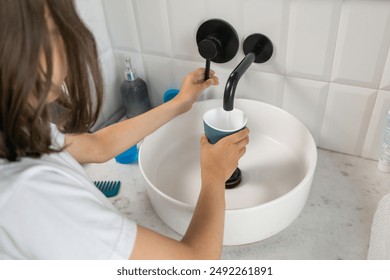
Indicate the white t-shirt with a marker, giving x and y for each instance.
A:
(50, 209)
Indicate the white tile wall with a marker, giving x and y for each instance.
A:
(385, 84)
(152, 24)
(346, 119)
(185, 17)
(271, 19)
(264, 87)
(330, 68)
(312, 38)
(160, 76)
(362, 43)
(122, 27)
(375, 133)
(306, 99)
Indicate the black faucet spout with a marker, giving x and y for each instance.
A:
(232, 82)
(258, 49)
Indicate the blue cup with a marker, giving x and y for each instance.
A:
(219, 123)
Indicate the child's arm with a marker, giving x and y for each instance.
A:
(204, 236)
(110, 141)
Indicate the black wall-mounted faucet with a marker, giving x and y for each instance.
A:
(257, 48)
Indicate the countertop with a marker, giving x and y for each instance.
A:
(335, 223)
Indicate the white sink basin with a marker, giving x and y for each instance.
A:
(277, 171)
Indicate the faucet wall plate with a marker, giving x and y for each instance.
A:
(217, 41)
(260, 45)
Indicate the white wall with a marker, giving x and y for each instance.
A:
(330, 68)
(92, 13)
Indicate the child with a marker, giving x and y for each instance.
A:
(49, 208)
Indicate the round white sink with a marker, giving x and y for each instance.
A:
(277, 171)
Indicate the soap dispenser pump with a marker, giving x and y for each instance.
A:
(134, 92)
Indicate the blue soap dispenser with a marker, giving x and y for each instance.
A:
(135, 100)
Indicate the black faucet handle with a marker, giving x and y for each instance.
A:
(217, 41)
(209, 47)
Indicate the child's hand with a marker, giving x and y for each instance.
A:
(193, 85)
(219, 161)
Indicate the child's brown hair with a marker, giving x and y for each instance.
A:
(24, 37)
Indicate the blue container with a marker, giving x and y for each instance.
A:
(170, 94)
(129, 156)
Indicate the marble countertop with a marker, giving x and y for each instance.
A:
(335, 223)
